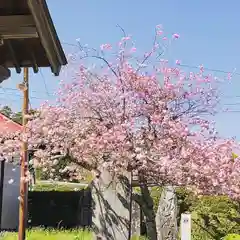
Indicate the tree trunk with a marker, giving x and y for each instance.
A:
(146, 202)
(166, 217)
(151, 227)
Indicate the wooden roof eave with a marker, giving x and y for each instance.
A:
(47, 34)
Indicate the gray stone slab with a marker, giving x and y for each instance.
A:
(166, 217)
(111, 205)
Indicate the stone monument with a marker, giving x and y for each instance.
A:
(111, 204)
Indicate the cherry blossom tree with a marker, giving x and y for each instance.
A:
(139, 115)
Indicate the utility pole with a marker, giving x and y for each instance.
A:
(24, 161)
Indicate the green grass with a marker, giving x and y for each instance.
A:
(42, 187)
(41, 234)
(138, 238)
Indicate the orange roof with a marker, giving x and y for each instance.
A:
(8, 126)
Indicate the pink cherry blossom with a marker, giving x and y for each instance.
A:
(178, 62)
(106, 46)
(140, 115)
(133, 49)
(176, 35)
(159, 32)
(126, 38)
(229, 76)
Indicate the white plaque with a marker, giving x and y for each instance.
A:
(185, 226)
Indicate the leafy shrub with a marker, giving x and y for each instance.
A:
(213, 217)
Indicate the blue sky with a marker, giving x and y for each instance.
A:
(209, 35)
